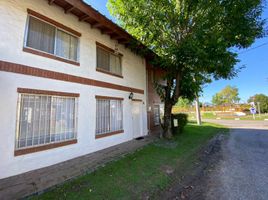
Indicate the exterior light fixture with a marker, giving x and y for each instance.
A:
(131, 96)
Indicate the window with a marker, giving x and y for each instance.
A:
(50, 39)
(45, 119)
(66, 45)
(108, 61)
(109, 117)
(156, 115)
(40, 35)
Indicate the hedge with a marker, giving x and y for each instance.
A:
(178, 122)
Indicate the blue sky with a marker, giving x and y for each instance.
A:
(251, 80)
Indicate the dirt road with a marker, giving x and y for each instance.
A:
(242, 173)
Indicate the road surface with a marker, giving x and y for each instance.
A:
(242, 174)
(246, 124)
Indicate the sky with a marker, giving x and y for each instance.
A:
(253, 79)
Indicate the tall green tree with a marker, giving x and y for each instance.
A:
(193, 39)
(184, 103)
(262, 99)
(227, 96)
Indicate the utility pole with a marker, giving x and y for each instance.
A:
(259, 109)
(253, 114)
(198, 115)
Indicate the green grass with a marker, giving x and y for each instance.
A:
(141, 173)
(257, 117)
(211, 115)
(208, 115)
(204, 115)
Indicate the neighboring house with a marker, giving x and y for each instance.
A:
(67, 76)
(155, 106)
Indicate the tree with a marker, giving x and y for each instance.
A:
(217, 100)
(227, 96)
(263, 99)
(184, 103)
(192, 38)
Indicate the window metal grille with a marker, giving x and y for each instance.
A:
(44, 119)
(109, 116)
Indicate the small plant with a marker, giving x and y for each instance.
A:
(179, 121)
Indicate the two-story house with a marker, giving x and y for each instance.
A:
(70, 84)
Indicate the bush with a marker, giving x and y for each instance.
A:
(178, 122)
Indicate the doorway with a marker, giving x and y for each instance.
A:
(137, 119)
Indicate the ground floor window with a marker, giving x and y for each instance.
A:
(109, 115)
(156, 115)
(44, 119)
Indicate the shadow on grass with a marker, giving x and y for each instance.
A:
(141, 174)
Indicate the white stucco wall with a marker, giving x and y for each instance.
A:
(13, 16)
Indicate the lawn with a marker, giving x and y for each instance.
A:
(211, 115)
(141, 174)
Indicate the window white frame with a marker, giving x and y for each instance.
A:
(55, 39)
(19, 104)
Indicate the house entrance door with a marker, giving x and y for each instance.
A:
(137, 119)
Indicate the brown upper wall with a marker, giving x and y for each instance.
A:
(154, 74)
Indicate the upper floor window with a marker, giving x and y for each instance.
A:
(48, 38)
(108, 61)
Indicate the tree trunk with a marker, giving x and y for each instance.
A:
(171, 97)
(167, 120)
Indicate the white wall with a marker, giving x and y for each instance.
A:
(13, 15)
(13, 21)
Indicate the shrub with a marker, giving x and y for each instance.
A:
(178, 122)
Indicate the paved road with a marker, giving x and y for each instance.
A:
(242, 174)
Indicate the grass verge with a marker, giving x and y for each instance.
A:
(211, 115)
(141, 174)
